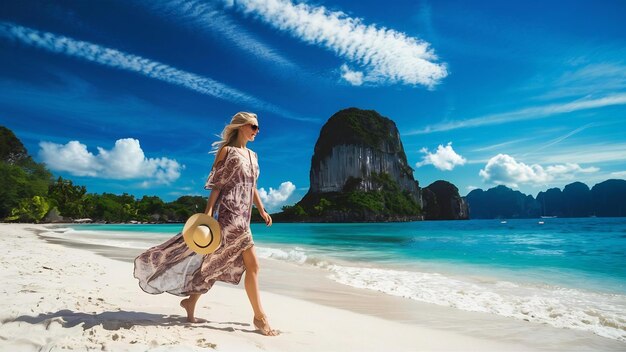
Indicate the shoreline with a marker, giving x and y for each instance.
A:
(312, 284)
(374, 320)
(298, 280)
(260, 221)
(469, 291)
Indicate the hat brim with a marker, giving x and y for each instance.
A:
(202, 219)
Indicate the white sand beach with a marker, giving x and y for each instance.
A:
(62, 296)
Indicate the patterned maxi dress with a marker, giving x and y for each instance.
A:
(172, 267)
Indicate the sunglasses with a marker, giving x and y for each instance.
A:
(254, 127)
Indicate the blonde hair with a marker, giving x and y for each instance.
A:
(231, 131)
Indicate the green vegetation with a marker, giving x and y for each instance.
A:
(21, 178)
(67, 198)
(23, 182)
(294, 211)
(354, 204)
(30, 210)
(28, 193)
(323, 206)
(394, 200)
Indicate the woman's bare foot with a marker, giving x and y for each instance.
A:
(264, 326)
(185, 304)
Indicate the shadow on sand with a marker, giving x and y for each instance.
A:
(123, 320)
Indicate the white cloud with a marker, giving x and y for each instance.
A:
(72, 157)
(125, 161)
(120, 60)
(276, 197)
(353, 77)
(619, 174)
(503, 169)
(387, 56)
(445, 158)
(531, 113)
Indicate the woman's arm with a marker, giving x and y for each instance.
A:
(257, 201)
(212, 198)
(216, 191)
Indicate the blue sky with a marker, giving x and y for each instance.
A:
(127, 96)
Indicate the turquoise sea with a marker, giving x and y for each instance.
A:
(563, 272)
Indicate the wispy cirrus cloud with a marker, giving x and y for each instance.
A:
(603, 152)
(561, 138)
(386, 56)
(531, 113)
(120, 60)
(210, 17)
(501, 145)
(581, 78)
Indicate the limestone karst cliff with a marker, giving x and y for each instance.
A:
(358, 143)
(359, 172)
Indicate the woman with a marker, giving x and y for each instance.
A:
(172, 267)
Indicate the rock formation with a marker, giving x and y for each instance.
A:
(443, 202)
(359, 172)
(358, 143)
(605, 199)
(501, 202)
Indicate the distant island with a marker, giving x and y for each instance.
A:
(605, 199)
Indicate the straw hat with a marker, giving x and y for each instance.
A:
(202, 233)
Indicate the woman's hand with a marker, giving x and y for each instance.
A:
(266, 217)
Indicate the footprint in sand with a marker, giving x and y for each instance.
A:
(205, 344)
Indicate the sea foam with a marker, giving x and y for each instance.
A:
(600, 313)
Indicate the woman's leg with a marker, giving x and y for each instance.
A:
(252, 289)
(190, 306)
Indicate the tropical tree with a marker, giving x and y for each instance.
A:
(34, 209)
(20, 176)
(68, 198)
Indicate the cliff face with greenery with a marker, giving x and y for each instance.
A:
(28, 193)
(354, 145)
(359, 173)
(575, 200)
